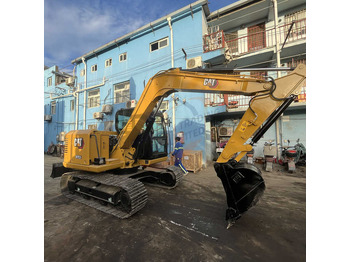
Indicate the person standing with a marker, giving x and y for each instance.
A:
(178, 155)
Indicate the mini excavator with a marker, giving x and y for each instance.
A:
(107, 170)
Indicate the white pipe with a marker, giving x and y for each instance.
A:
(172, 65)
(278, 51)
(91, 87)
(84, 117)
(75, 94)
(278, 60)
(76, 109)
(171, 41)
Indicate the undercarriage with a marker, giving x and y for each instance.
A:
(120, 195)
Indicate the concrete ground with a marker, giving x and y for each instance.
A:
(183, 224)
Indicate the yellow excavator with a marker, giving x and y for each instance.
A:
(107, 170)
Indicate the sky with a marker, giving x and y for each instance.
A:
(73, 28)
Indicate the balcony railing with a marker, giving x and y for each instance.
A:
(239, 102)
(255, 41)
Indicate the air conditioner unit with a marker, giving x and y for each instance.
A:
(131, 103)
(60, 137)
(70, 81)
(225, 131)
(98, 115)
(194, 62)
(47, 118)
(107, 109)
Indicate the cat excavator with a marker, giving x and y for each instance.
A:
(107, 170)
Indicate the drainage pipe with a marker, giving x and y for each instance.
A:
(172, 65)
(278, 60)
(85, 82)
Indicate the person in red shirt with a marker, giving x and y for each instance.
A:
(178, 155)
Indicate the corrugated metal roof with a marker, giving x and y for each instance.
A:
(203, 3)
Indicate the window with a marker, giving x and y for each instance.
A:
(94, 126)
(256, 37)
(82, 72)
(298, 30)
(94, 68)
(158, 44)
(49, 81)
(53, 107)
(164, 105)
(121, 92)
(72, 105)
(94, 98)
(231, 40)
(299, 15)
(122, 57)
(108, 62)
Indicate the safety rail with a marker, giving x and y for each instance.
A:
(213, 41)
(240, 102)
(255, 41)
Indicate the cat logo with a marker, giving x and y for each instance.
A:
(79, 142)
(212, 83)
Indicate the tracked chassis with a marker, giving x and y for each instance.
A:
(116, 194)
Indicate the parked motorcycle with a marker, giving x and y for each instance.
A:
(293, 155)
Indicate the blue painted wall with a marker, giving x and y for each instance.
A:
(141, 64)
(57, 124)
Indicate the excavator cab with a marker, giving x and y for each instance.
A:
(152, 142)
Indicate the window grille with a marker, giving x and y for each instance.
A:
(121, 92)
(94, 98)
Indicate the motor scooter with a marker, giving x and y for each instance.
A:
(293, 154)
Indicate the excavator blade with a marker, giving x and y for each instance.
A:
(58, 170)
(243, 185)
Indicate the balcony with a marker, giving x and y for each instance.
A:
(238, 103)
(257, 38)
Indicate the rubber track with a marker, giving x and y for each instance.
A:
(177, 172)
(136, 190)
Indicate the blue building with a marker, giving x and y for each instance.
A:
(57, 105)
(113, 76)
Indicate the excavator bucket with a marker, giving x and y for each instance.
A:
(243, 185)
